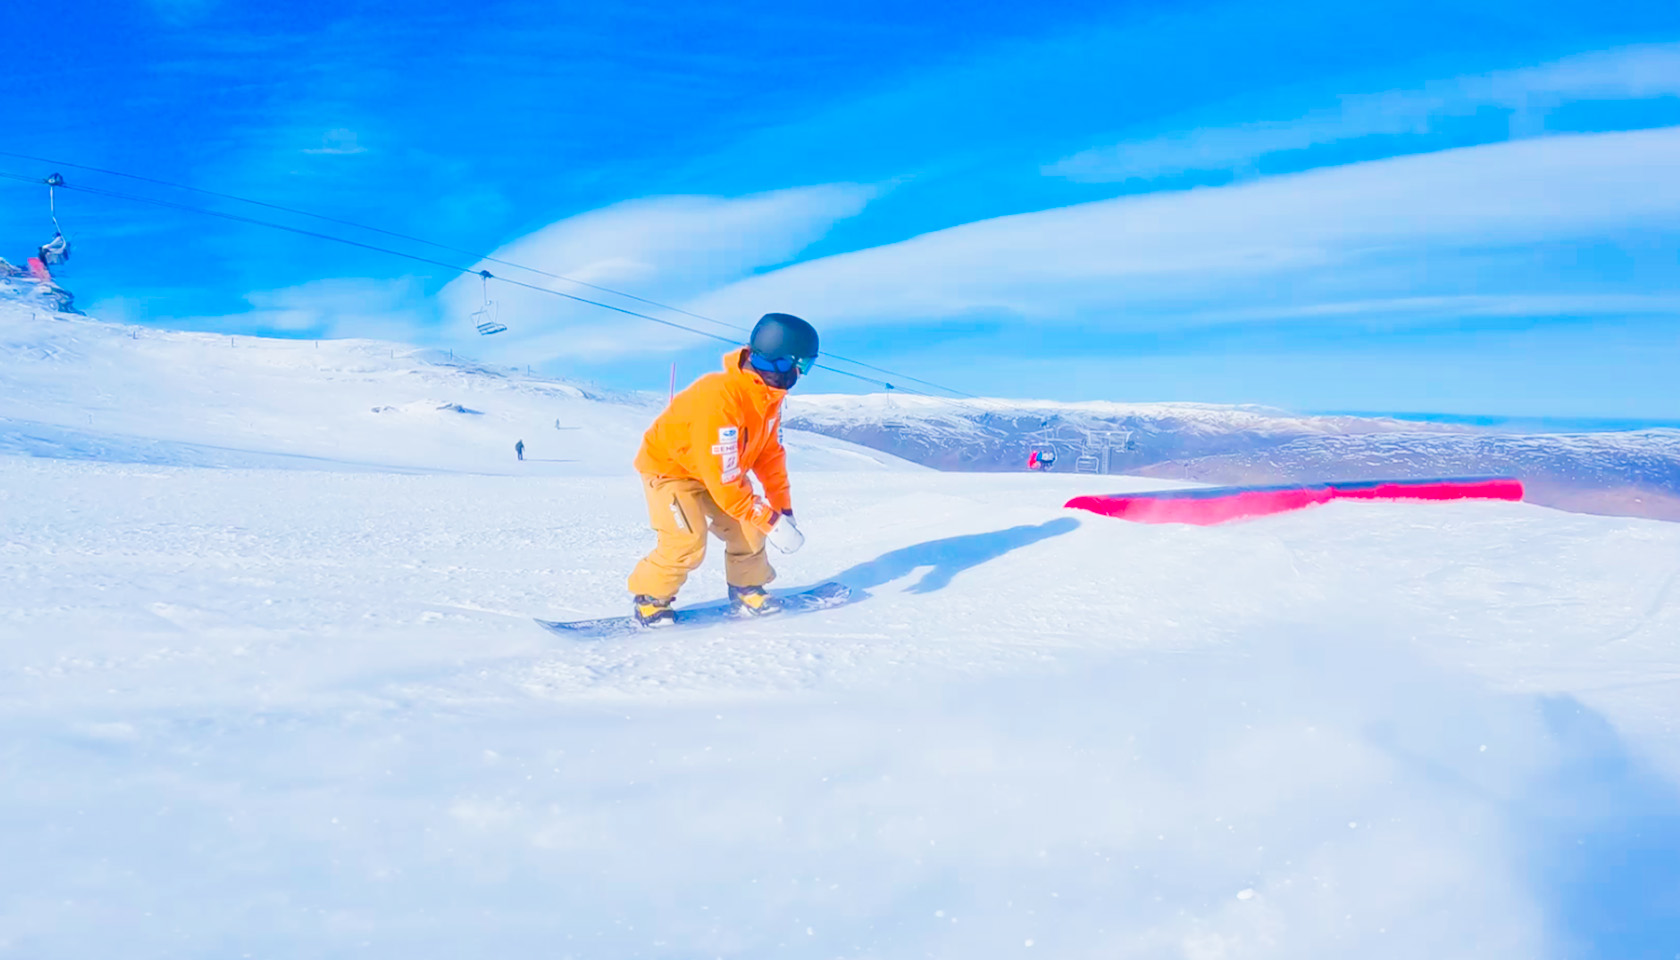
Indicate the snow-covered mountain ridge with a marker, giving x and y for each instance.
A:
(1635, 472)
(998, 434)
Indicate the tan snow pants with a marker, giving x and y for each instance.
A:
(681, 511)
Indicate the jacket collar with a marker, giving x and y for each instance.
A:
(741, 373)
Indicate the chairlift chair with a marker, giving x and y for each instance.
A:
(484, 318)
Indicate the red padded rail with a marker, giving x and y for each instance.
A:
(1222, 504)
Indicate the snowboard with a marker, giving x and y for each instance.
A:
(819, 597)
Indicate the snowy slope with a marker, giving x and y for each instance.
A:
(247, 709)
(248, 715)
(79, 388)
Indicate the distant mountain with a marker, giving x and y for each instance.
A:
(1634, 472)
(986, 434)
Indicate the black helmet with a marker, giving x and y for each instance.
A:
(779, 335)
(783, 347)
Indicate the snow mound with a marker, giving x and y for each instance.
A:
(427, 408)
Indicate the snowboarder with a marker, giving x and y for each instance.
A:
(694, 463)
(519, 449)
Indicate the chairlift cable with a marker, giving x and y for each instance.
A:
(432, 262)
(53, 182)
(460, 250)
(359, 226)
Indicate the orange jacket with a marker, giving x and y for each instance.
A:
(718, 429)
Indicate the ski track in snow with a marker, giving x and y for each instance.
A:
(247, 709)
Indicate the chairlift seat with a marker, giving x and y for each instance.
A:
(484, 318)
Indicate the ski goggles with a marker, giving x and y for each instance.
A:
(781, 364)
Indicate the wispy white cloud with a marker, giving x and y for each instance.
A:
(396, 309)
(1462, 305)
(347, 307)
(1454, 224)
(1525, 95)
(661, 248)
(666, 248)
(338, 142)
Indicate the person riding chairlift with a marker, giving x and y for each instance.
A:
(51, 254)
(55, 251)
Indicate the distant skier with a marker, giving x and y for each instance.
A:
(694, 463)
(519, 449)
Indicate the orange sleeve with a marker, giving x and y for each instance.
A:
(716, 442)
(771, 470)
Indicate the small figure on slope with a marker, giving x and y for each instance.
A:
(694, 463)
(519, 449)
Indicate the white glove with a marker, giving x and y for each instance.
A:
(784, 536)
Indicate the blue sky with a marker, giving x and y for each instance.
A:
(1463, 208)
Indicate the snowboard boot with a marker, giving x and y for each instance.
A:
(752, 602)
(653, 611)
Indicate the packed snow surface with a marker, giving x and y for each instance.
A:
(252, 709)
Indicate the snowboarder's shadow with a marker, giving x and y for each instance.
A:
(950, 556)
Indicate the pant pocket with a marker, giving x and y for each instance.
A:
(680, 518)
